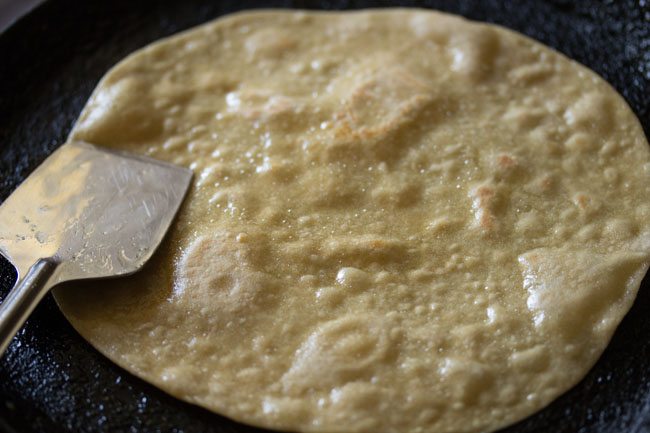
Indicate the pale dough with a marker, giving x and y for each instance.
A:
(401, 221)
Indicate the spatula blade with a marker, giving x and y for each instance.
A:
(95, 212)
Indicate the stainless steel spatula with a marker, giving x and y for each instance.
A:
(84, 213)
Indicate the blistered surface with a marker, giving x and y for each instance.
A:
(401, 221)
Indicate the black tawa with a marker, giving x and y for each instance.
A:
(52, 381)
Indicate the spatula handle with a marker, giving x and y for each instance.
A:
(22, 300)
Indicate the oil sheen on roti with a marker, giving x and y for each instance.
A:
(401, 221)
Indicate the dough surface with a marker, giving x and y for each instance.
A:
(401, 221)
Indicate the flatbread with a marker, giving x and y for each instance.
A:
(401, 221)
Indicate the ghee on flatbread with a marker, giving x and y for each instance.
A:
(401, 221)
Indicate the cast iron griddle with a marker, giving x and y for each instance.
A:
(53, 381)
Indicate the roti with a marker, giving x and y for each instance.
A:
(400, 221)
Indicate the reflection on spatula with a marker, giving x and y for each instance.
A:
(84, 213)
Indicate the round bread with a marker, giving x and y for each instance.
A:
(401, 221)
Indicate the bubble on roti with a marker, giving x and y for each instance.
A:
(401, 221)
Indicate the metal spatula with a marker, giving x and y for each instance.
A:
(84, 213)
